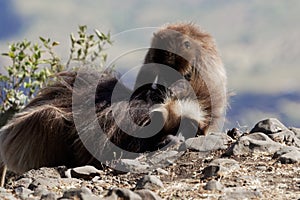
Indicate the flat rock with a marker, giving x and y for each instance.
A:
(162, 171)
(290, 157)
(254, 143)
(132, 165)
(22, 192)
(121, 193)
(40, 190)
(207, 143)
(278, 132)
(284, 150)
(269, 126)
(81, 193)
(85, 172)
(42, 172)
(214, 185)
(45, 181)
(49, 196)
(286, 137)
(164, 158)
(149, 182)
(148, 194)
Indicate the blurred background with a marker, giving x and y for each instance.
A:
(258, 41)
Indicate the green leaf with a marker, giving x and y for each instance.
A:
(91, 37)
(42, 39)
(3, 78)
(55, 43)
(82, 28)
(12, 47)
(21, 55)
(11, 54)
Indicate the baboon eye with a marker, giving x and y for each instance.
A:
(187, 44)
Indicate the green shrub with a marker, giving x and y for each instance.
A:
(34, 64)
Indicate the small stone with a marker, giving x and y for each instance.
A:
(148, 194)
(262, 167)
(120, 193)
(234, 133)
(4, 194)
(132, 165)
(283, 150)
(45, 181)
(149, 182)
(76, 193)
(269, 126)
(49, 196)
(162, 171)
(40, 190)
(286, 137)
(210, 171)
(214, 185)
(96, 179)
(43, 172)
(111, 196)
(24, 182)
(90, 197)
(290, 157)
(208, 143)
(164, 158)
(85, 172)
(23, 192)
(220, 167)
(2, 190)
(254, 143)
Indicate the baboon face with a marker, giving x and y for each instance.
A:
(175, 50)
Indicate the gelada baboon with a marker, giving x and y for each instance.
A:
(44, 132)
(193, 53)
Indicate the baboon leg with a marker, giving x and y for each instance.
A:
(35, 138)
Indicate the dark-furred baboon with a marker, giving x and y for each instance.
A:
(46, 133)
(192, 52)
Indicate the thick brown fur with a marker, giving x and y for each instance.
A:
(192, 52)
(44, 132)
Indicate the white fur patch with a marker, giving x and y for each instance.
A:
(189, 109)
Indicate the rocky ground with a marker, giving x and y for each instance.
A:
(263, 163)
